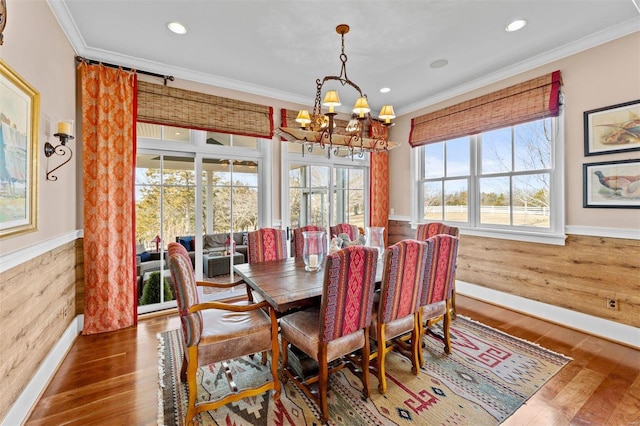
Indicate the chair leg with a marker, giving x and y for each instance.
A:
(192, 385)
(366, 352)
(183, 370)
(285, 359)
(416, 346)
(453, 301)
(445, 328)
(275, 355)
(382, 354)
(323, 383)
(419, 339)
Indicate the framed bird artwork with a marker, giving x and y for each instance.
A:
(612, 184)
(615, 128)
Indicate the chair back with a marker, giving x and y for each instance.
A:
(267, 244)
(344, 228)
(405, 266)
(347, 297)
(440, 278)
(186, 292)
(428, 230)
(298, 240)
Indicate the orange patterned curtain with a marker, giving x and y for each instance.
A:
(108, 163)
(379, 191)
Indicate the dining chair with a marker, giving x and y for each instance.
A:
(267, 244)
(218, 332)
(298, 240)
(405, 265)
(425, 231)
(435, 299)
(336, 328)
(344, 228)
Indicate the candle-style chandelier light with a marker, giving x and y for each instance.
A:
(320, 128)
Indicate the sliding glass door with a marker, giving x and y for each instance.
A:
(165, 210)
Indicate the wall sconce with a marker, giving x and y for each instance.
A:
(64, 134)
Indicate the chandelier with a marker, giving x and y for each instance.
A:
(320, 129)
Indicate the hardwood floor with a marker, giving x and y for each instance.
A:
(111, 379)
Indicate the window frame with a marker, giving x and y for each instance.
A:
(555, 234)
(288, 158)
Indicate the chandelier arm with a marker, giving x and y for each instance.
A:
(342, 81)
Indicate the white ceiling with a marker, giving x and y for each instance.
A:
(278, 48)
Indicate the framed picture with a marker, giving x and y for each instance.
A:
(19, 110)
(615, 128)
(614, 184)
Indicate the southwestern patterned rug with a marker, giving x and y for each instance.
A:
(487, 376)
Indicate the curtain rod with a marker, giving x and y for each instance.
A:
(106, 64)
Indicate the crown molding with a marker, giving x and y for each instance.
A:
(65, 20)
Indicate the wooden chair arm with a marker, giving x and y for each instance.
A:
(220, 285)
(229, 306)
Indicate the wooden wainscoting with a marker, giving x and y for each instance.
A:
(579, 275)
(80, 276)
(38, 304)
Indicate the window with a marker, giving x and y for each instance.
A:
(505, 181)
(320, 191)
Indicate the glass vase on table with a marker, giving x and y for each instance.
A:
(374, 237)
(314, 250)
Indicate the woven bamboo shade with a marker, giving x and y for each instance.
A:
(184, 108)
(532, 100)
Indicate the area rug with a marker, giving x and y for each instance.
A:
(487, 376)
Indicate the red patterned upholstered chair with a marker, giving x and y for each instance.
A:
(267, 244)
(217, 332)
(344, 228)
(339, 326)
(435, 300)
(298, 240)
(405, 265)
(428, 230)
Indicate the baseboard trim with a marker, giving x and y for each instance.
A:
(600, 327)
(23, 405)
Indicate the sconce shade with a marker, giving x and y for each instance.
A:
(387, 114)
(361, 107)
(303, 118)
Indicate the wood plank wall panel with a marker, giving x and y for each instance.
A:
(33, 298)
(80, 276)
(578, 276)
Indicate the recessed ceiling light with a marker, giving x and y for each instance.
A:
(516, 25)
(176, 27)
(385, 90)
(439, 63)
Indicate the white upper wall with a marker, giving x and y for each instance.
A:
(605, 75)
(36, 48)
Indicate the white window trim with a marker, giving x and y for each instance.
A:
(554, 236)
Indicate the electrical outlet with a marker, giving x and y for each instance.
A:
(612, 303)
(64, 313)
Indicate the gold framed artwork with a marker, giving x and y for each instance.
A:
(615, 128)
(19, 111)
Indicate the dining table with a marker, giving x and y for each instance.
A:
(285, 284)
